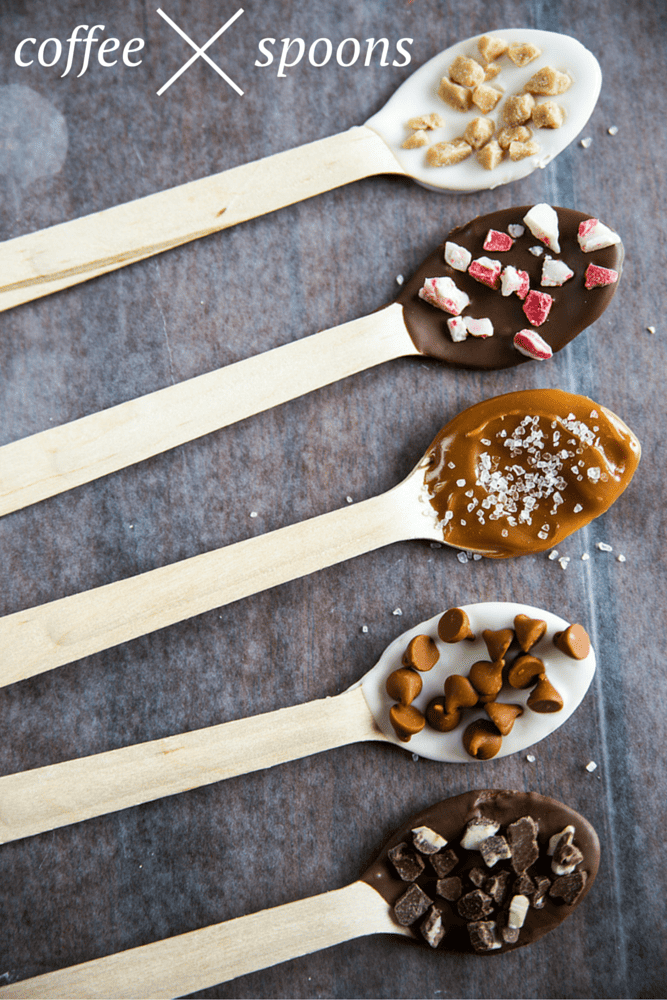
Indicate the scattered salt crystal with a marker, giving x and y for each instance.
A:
(612, 130)
(436, 545)
(516, 231)
(578, 508)
(651, 329)
(604, 547)
(349, 499)
(585, 556)
(591, 766)
(586, 142)
(397, 611)
(478, 555)
(460, 482)
(553, 554)
(530, 757)
(563, 561)
(620, 558)
(399, 279)
(364, 629)
(462, 557)
(415, 756)
(536, 251)
(253, 513)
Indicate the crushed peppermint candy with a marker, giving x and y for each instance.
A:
(457, 257)
(397, 611)
(556, 272)
(529, 343)
(497, 241)
(478, 327)
(444, 294)
(597, 277)
(530, 757)
(537, 306)
(486, 271)
(458, 330)
(542, 220)
(514, 280)
(594, 235)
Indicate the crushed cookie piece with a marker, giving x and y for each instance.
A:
(483, 935)
(433, 928)
(475, 905)
(495, 849)
(542, 884)
(477, 830)
(496, 886)
(568, 887)
(522, 836)
(450, 888)
(407, 862)
(444, 862)
(412, 905)
(416, 140)
(455, 96)
(445, 154)
(427, 841)
(522, 53)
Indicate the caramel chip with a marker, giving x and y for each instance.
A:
(422, 653)
(459, 693)
(503, 716)
(573, 642)
(482, 740)
(407, 862)
(412, 905)
(498, 642)
(403, 685)
(455, 626)
(544, 698)
(523, 843)
(529, 631)
(525, 671)
(407, 721)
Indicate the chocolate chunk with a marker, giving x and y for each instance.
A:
(523, 885)
(433, 928)
(483, 935)
(496, 886)
(407, 862)
(449, 888)
(412, 905)
(475, 905)
(523, 843)
(494, 849)
(542, 884)
(444, 862)
(568, 887)
(477, 876)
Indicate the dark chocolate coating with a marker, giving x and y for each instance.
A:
(574, 306)
(449, 819)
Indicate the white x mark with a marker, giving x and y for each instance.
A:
(200, 51)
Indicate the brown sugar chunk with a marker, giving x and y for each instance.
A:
(416, 139)
(514, 133)
(407, 862)
(548, 82)
(466, 72)
(522, 53)
(522, 150)
(485, 97)
(517, 109)
(522, 836)
(479, 131)
(433, 120)
(422, 653)
(548, 114)
(445, 154)
(489, 156)
(412, 905)
(454, 95)
(491, 47)
(491, 71)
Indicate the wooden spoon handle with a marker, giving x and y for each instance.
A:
(61, 631)
(198, 959)
(44, 262)
(61, 458)
(59, 794)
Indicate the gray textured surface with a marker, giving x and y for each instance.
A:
(214, 853)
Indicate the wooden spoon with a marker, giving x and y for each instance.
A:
(67, 254)
(60, 458)
(203, 958)
(458, 474)
(59, 794)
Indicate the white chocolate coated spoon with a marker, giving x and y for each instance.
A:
(67, 254)
(44, 798)
(431, 503)
(202, 958)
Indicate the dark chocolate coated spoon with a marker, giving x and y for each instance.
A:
(60, 458)
(202, 958)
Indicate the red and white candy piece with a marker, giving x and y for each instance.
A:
(537, 306)
(594, 235)
(597, 276)
(457, 257)
(530, 343)
(498, 242)
(542, 221)
(444, 294)
(458, 330)
(478, 327)
(555, 272)
(513, 280)
(486, 271)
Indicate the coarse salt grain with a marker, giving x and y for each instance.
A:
(399, 279)
(612, 130)
(553, 554)
(585, 556)
(530, 757)
(604, 547)
(591, 766)
(620, 558)
(651, 329)
(253, 513)
(397, 611)
(563, 561)
(586, 142)
(536, 251)
(462, 557)
(349, 500)
(364, 629)
(415, 757)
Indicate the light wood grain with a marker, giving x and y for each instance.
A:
(216, 954)
(60, 458)
(62, 631)
(59, 794)
(52, 259)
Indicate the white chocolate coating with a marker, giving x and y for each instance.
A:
(570, 677)
(418, 96)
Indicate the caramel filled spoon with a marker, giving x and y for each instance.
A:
(60, 458)
(67, 254)
(515, 474)
(48, 797)
(531, 825)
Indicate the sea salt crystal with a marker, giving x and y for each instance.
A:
(604, 547)
(563, 561)
(530, 757)
(536, 251)
(586, 142)
(462, 557)
(613, 130)
(620, 558)
(397, 611)
(553, 554)
(253, 513)
(364, 629)
(593, 473)
(460, 482)
(585, 557)
(399, 279)
(591, 766)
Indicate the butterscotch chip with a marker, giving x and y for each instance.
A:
(467, 72)
(451, 93)
(422, 653)
(450, 889)
(497, 642)
(404, 685)
(482, 934)
(518, 109)
(459, 693)
(417, 139)
(503, 716)
(521, 150)
(434, 120)
(544, 697)
(485, 97)
(482, 740)
(549, 82)
(528, 631)
(406, 720)
(433, 928)
(444, 154)
(522, 53)
(491, 47)
(514, 133)
(412, 905)
(573, 642)
(479, 131)
(439, 718)
(525, 671)
(474, 905)
(548, 114)
(568, 887)
(486, 678)
(489, 156)
(522, 836)
(454, 626)
(407, 862)
(444, 862)
(492, 71)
